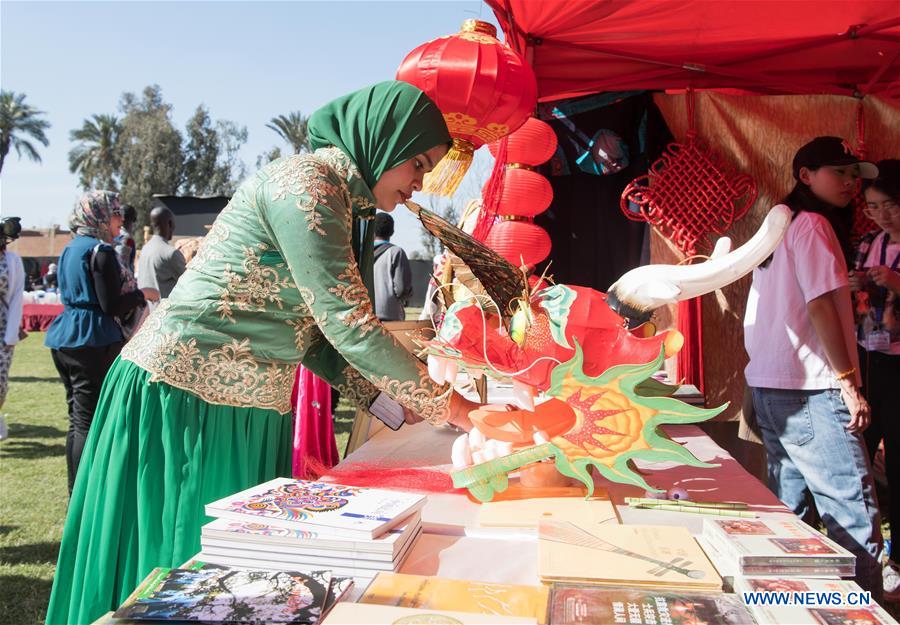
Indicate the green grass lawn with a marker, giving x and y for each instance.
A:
(33, 494)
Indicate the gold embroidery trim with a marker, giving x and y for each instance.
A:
(229, 375)
(250, 290)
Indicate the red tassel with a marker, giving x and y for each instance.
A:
(493, 190)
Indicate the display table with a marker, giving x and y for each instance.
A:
(452, 545)
(38, 317)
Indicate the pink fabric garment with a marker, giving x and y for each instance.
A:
(314, 444)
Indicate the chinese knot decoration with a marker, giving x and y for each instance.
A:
(484, 89)
(689, 193)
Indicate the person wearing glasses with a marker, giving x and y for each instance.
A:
(876, 281)
(86, 338)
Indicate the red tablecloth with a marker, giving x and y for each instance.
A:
(38, 317)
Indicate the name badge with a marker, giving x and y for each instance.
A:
(878, 341)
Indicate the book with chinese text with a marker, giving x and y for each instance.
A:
(372, 614)
(577, 604)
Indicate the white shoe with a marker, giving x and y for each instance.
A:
(4, 431)
(891, 581)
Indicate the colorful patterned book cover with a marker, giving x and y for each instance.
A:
(783, 540)
(435, 593)
(372, 614)
(839, 613)
(319, 506)
(228, 595)
(630, 555)
(593, 605)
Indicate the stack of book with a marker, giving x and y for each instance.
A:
(778, 547)
(289, 524)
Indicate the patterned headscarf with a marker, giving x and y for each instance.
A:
(379, 127)
(92, 214)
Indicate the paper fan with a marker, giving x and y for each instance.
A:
(502, 280)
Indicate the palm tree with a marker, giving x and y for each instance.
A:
(18, 120)
(95, 157)
(292, 128)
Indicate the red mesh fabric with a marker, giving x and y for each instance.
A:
(396, 476)
(862, 225)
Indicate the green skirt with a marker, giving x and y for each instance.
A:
(155, 455)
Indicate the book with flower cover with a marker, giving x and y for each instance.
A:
(339, 587)
(214, 595)
(463, 595)
(784, 541)
(319, 506)
(839, 609)
(252, 535)
(373, 614)
(578, 604)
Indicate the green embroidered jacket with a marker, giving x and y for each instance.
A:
(274, 284)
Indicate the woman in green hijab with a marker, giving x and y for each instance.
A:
(197, 406)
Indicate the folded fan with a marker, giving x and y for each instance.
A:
(502, 281)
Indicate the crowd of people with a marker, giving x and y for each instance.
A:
(176, 406)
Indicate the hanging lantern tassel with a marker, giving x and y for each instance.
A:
(447, 175)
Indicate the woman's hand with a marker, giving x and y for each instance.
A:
(150, 294)
(410, 417)
(857, 280)
(460, 407)
(860, 414)
(884, 276)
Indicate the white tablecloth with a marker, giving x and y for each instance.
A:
(453, 546)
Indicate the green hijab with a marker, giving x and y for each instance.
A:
(379, 127)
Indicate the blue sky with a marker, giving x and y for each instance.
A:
(246, 61)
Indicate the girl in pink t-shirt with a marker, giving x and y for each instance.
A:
(799, 333)
(876, 280)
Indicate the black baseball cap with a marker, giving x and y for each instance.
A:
(834, 151)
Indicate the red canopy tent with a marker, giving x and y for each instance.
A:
(813, 49)
(792, 47)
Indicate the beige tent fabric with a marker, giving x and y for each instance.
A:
(759, 135)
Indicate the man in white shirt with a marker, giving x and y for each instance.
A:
(160, 264)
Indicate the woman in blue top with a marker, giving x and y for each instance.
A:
(85, 339)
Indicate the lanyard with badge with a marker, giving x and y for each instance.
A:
(879, 339)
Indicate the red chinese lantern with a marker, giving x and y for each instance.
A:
(484, 89)
(525, 193)
(519, 242)
(532, 144)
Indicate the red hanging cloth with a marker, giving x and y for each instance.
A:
(314, 445)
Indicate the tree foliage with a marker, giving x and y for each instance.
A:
(20, 124)
(211, 166)
(292, 128)
(142, 153)
(96, 156)
(150, 148)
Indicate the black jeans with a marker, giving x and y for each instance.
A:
(880, 374)
(82, 371)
